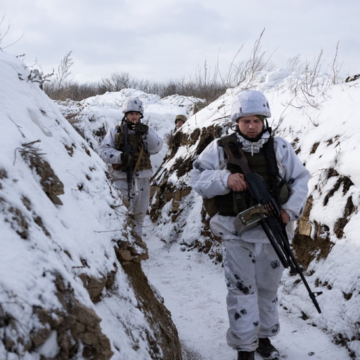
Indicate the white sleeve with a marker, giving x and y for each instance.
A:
(153, 142)
(107, 149)
(295, 174)
(209, 176)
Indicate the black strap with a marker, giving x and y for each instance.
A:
(271, 163)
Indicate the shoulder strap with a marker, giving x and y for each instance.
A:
(123, 128)
(227, 140)
(231, 143)
(272, 167)
(270, 156)
(232, 149)
(138, 159)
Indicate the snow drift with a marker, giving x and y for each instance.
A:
(71, 285)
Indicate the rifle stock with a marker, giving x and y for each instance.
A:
(271, 220)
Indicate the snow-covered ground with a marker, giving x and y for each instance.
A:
(194, 291)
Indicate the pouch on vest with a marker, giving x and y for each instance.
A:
(249, 219)
(210, 206)
(285, 192)
(242, 200)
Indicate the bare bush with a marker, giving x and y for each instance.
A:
(30, 152)
(336, 67)
(63, 71)
(311, 73)
(117, 81)
(313, 84)
(308, 85)
(294, 64)
(244, 72)
(4, 33)
(60, 88)
(207, 84)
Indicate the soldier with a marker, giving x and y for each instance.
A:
(252, 268)
(127, 147)
(175, 136)
(180, 120)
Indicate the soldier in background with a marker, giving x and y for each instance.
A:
(175, 135)
(127, 147)
(180, 120)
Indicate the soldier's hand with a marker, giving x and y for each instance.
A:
(116, 166)
(285, 216)
(236, 182)
(126, 158)
(141, 128)
(131, 125)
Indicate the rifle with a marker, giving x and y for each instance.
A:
(269, 216)
(129, 165)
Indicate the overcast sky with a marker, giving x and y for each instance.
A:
(171, 39)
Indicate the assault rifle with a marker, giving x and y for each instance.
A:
(269, 216)
(129, 164)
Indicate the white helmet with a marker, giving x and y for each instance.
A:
(249, 102)
(133, 103)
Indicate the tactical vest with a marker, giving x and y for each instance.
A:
(263, 163)
(136, 143)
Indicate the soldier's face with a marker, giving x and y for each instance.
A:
(250, 126)
(179, 123)
(133, 116)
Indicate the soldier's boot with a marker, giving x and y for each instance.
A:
(267, 350)
(245, 355)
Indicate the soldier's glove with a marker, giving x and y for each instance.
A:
(141, 129)
(116, 166)
(126, 158)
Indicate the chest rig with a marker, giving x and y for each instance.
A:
(137, 149)
(263, 163)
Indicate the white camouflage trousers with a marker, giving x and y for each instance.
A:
(253, 273)
(140, 199)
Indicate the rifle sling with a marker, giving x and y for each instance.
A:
(241, 161)
(139, 158)
(124, 130)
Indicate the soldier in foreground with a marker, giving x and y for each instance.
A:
(127, 147)
(252, 267)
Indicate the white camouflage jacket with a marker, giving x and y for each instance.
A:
(152, 142)
(209, 178)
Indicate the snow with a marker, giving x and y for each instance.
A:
(194, 291)
(41, 240)
(192, 286)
